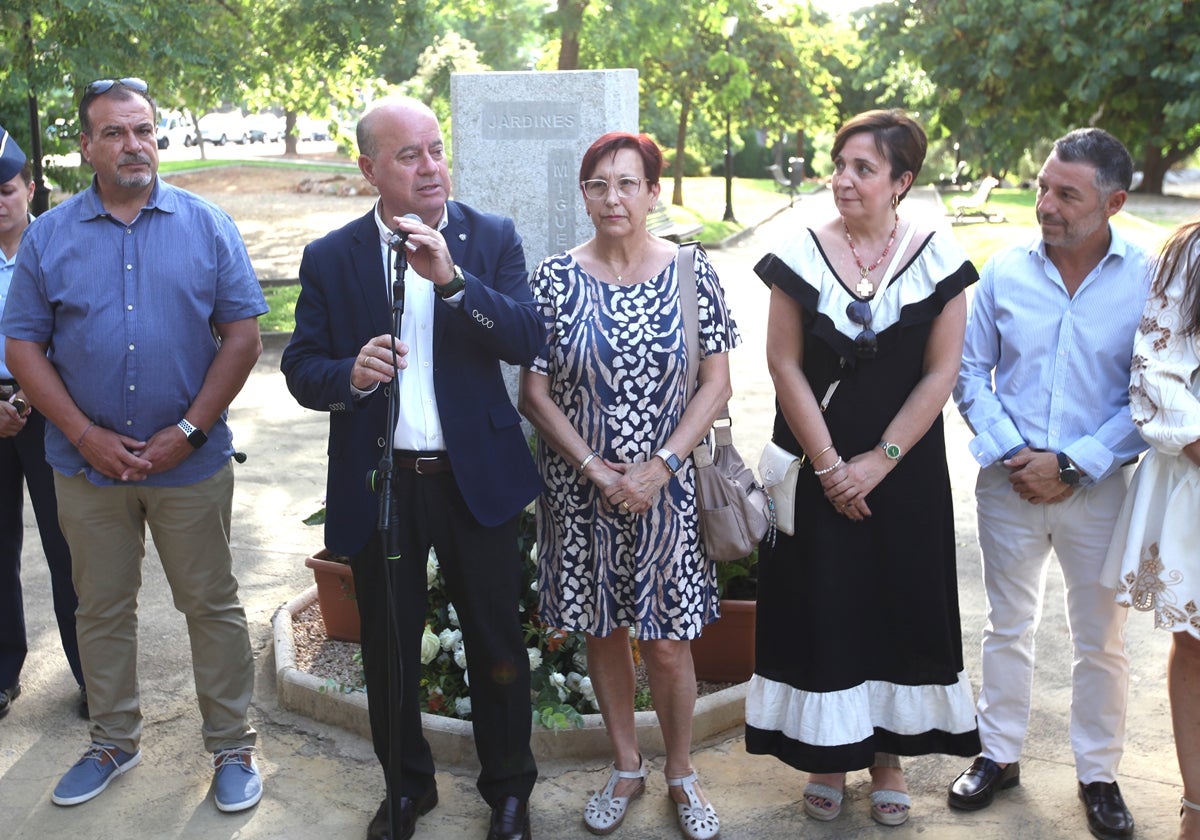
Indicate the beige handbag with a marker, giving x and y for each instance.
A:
(735, 512)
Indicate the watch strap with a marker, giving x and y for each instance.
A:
(456, 285)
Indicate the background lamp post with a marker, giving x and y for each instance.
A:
(728, 28)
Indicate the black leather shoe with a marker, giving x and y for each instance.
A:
(1107, 816)
(407, 811)
(976, 787)
(7, 696)
(510, 820)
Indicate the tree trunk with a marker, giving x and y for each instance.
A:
(570, 19)
(1154, 170)
(680, 153)
(289, 133)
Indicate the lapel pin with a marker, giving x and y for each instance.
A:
(462, 237)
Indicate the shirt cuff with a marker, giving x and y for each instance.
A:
(997, 443)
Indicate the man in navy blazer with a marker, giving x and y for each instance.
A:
(462, 466)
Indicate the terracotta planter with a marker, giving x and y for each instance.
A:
(335, 594)
(725, 651)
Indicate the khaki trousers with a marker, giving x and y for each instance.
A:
(106, 530)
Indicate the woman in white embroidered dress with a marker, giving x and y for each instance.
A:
(1154, 561)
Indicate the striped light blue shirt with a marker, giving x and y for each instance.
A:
(1048, 370)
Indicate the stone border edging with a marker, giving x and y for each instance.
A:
(451, 739)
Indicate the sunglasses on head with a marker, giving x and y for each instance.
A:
(104, 85)
(865, 345)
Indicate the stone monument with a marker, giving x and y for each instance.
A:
(518, 138)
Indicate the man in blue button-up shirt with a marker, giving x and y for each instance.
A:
(132, 323)
(1044, 386)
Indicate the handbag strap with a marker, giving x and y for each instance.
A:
(689, 309)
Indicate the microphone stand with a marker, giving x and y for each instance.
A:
(389, 530)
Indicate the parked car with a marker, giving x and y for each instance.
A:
(264, 128)
(221, 128)
(174, 129)
(308, 128)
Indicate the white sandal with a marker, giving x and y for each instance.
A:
(604, 812)
(1183, 803)
(697, 820)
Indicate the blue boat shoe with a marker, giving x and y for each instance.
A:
(238, 785)
(87, 779)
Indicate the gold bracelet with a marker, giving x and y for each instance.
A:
(814, 458)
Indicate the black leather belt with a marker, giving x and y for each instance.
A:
(422, 463)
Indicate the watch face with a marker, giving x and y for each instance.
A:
(1069, 475)
(891, 450)
(674, 463)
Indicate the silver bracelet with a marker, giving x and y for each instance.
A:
(839, 462)
(587, 460)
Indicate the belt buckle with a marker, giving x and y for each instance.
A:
(417, 463)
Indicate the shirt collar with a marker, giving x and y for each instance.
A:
(1118, 246)
(162, 197)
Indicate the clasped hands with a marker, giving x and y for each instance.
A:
(629, 488)
(848, 486)
(124, 458)
(1034, 476)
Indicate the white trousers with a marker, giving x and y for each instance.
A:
(1016, 538)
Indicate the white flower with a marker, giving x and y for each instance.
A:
(460, 655)
(535, 658)
(452, 615)
(449, 638)
(429, 646)
(462, 707)
(579, 659)
(589, 693)
(431, 569)
(559, 682)
(573, 680)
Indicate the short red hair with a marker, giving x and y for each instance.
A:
(613, 142)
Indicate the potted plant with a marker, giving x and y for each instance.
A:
(725, 650)
(335, 590)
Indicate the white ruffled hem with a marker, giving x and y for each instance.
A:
(829, 719)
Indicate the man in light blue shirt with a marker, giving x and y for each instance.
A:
(132, 323)
(1044, 387)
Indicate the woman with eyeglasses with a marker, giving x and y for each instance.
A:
(859, 655)
(618, 413)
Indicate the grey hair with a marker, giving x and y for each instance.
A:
(1098, 148)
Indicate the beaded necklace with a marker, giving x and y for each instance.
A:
(865, 287)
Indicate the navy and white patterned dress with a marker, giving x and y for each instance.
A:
(617, 362)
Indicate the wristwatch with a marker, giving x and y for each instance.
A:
(195, 437)
(1068, 473)
(456, 285)
(670, 459)
(891, 450)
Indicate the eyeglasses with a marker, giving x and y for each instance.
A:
(105, 85)
(597, 188)
(865, 345)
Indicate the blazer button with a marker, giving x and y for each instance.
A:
(379, 443)
(387, 390)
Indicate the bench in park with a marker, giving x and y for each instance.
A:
(792, 180)
(660, 223)
(976, 204)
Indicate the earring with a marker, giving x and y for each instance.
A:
(895, 201)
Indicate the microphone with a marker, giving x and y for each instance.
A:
(240, 457)
(400, 237)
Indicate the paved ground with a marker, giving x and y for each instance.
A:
(323, 782)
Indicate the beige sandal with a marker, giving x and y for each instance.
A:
(605, 812)
(1183, 803)
(697, 819)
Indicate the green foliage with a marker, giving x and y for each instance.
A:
(1007, 73)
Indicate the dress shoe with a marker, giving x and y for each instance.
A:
(976, 787)
(1107, 816)
(407, 811)
(510, 820)
(7, 696)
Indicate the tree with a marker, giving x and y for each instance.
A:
(1023, 70)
